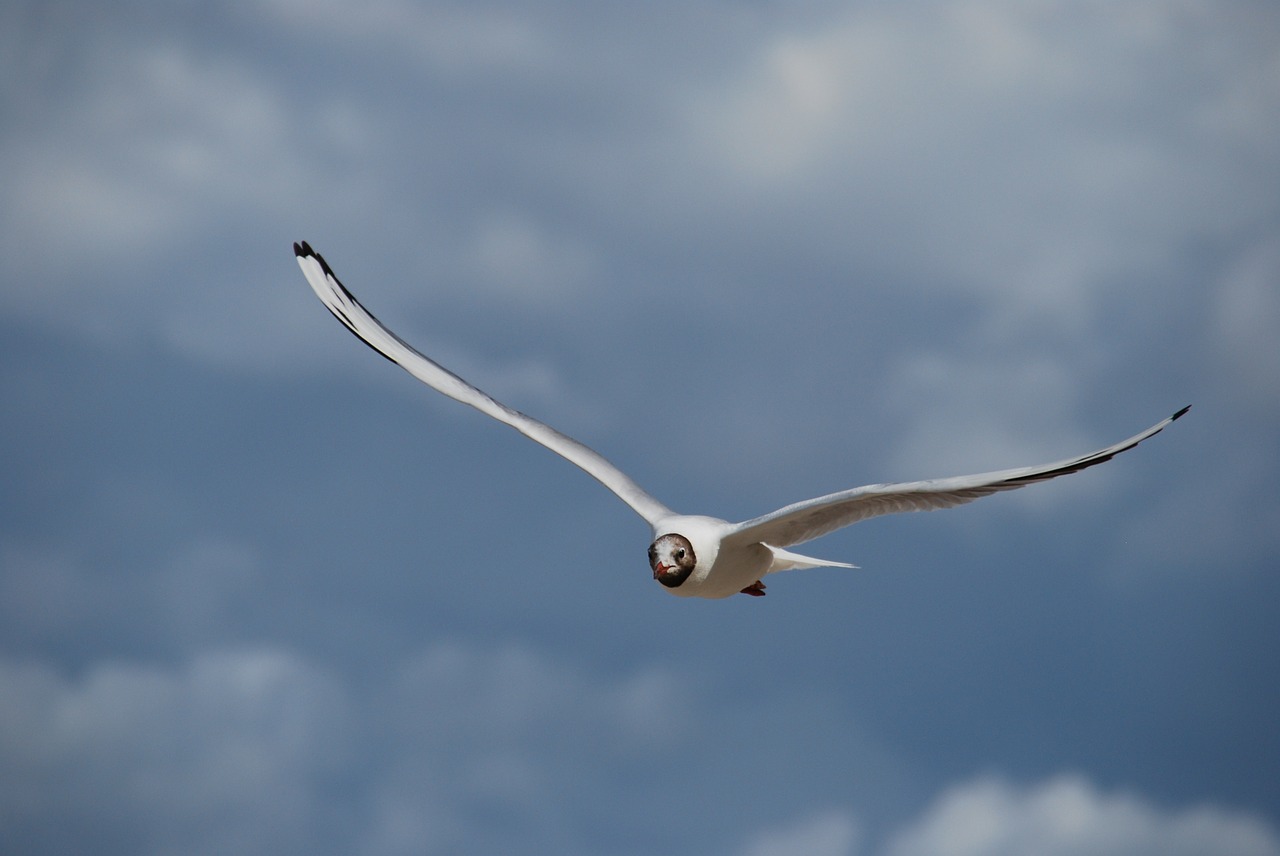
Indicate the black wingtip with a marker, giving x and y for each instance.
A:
(303, 250)
(1179, 413)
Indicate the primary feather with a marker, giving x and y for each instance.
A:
(811, 518)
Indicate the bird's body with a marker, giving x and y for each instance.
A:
(725, 566)
(694, 555)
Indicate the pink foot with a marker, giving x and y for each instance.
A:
(756, 589)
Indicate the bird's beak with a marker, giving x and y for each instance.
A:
(671, 576)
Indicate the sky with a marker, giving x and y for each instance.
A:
(261, 592)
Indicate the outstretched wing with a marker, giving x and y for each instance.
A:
(360, 321)
(811, 518)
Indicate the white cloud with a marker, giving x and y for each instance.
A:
(1062, 178)
(832, 833)
(1044, 167)
(242, 749)
(1041, 157)
(112, 171)
(233, 746)
(1064, 816)
(153, 150)
(446, 37)
(1068, 816)
(245, 743)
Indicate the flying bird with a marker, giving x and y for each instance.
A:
(696, 555)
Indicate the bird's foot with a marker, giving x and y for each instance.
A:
(756, 589)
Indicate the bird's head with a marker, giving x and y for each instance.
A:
(672, 559)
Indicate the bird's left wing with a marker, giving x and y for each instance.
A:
(371, 331)
(803, 521)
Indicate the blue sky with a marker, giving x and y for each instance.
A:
(262, 593)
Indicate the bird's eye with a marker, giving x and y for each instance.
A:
(680, 553)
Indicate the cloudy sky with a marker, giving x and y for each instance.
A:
(262, 593)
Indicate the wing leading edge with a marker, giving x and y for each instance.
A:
(811, 518)
(360, 321)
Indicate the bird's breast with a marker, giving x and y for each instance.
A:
(731, 572)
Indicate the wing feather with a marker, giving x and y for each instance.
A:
(811, 518)
(344, 306)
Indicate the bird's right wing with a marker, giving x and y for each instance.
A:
(360, 321)
(811, 518)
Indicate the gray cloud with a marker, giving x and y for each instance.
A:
(1068, 815)
(466, 748)
(259, 590)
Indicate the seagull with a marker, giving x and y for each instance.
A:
(695, 555)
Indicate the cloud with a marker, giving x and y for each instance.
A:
(138, 172)
(230, 750)
(243, 749)
(472, 748)
(444, 37)
(1030, 155)
(472, 733)
(457, 747)
(1068, 816)
(775, 254)
(832, 833)
(112, 170)
(1054, 186)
